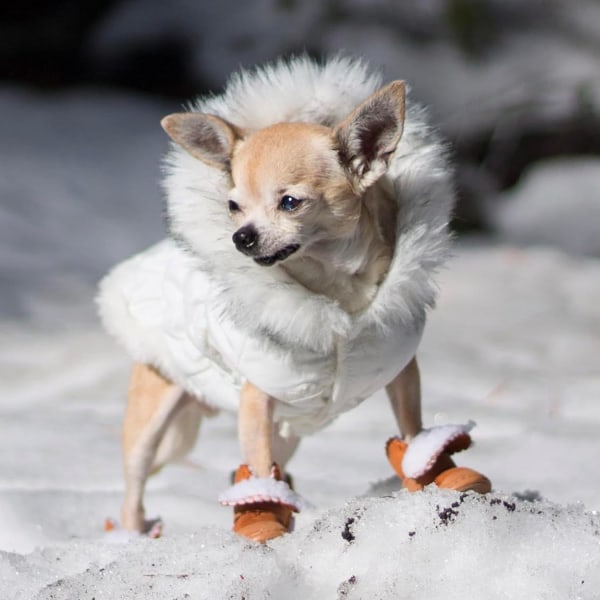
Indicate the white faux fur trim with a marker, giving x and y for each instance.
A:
(424, 449)
(267, 302)
(262, 489)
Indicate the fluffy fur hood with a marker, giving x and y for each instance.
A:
(266, 301)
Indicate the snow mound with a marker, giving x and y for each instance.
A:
(556, 204)
(435, 544)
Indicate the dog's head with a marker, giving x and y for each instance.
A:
(296, 184)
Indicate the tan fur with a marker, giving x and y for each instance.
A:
(283, 157)
(353, 280)
(146, 388)
(161, 424)
(255, 425)
(345, 230)
(405, 396)
(351, 253)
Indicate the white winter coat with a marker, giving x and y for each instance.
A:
(209, 318)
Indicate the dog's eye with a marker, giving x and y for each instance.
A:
(289, 203)
(234, 206)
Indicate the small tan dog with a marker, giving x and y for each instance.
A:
(323, 208)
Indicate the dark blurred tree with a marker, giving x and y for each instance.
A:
(44, 41)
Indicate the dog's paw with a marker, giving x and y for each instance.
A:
(110, 525)
(425, 449)
(426, 460)
(153, 528)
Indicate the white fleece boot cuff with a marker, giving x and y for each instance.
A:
(425, 448)
(262, 489)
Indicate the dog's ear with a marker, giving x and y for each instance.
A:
(367, 137)
(206, 137)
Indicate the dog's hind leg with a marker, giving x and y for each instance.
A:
(284, 446)
(405, 397)
(161, 424)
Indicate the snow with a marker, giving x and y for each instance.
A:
(513, 345)
(546, 208)
(430, 545)
(65, 158)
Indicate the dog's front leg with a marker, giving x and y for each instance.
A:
(405, 396)
(263, 503)
(255, 429)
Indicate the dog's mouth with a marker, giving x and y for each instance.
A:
(267, 261)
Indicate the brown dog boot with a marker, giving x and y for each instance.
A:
(430, 461)
(262, 506)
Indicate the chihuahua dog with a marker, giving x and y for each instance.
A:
(308, 272)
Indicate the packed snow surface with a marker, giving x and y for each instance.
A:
(513, 345)
(429, 545)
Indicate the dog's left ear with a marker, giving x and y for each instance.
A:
(368, 136)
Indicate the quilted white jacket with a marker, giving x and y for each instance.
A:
(209, 318)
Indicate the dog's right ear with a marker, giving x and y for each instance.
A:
(206, 137)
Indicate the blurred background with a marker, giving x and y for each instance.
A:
(515, 87)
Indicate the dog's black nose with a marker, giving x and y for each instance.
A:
(245, 238)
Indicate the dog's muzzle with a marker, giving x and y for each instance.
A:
(246, 241)
(267, 261)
